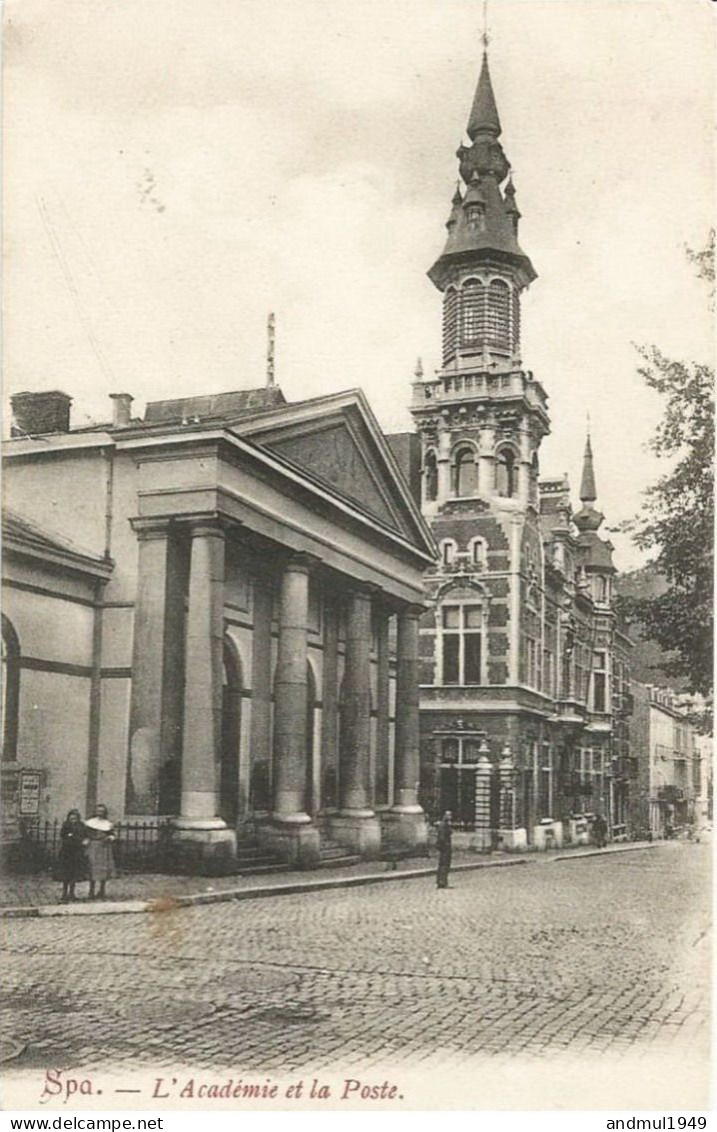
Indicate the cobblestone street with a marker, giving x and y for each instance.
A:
(588, 956)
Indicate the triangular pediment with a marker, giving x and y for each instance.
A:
(337, 441)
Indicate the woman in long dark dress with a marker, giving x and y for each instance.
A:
(443, 844)
(71, 860)
(100, 855)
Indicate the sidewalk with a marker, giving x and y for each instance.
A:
(153, 892)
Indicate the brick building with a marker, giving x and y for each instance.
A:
(524, 666)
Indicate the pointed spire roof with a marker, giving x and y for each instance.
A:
(484, 112)
(588, 519)
(588, 492)
(483, 167)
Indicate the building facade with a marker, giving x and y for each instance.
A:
(231, 638)
(524, 666)
(672, 790)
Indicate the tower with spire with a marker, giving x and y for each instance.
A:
(517, 650)
(482, 416)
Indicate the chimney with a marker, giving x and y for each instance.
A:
(38, 413)
(121, 409)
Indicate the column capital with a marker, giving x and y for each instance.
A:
(301, 563)
(413, 611)
(205, 526)
(147, 529)
(360, 591)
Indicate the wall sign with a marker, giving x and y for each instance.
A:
(29, 793)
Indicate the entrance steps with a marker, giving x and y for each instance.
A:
(335, 856)
(252, 859)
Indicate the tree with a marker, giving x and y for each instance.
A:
(676, 522)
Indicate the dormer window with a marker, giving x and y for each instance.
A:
(475, 215)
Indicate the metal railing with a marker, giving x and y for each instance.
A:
(137, 846)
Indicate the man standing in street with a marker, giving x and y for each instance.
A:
(600, 831)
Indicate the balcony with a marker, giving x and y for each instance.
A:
(671, 794)
(570, 712)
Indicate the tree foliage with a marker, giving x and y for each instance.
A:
(677, 519)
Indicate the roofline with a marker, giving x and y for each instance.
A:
(292, 472)
(68, 560)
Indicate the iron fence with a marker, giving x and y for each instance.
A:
(137, 846)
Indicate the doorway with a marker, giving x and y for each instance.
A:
(311, 800)
(232, 686)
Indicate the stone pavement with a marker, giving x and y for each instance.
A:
(143, 891)
(605, 957)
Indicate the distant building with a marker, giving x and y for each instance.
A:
(524, 665)
(671, 790)
(198, 607)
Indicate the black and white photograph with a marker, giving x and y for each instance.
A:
(357, 555)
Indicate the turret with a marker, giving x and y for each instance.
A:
(482, 269)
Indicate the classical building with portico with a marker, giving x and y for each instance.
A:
(243, 648)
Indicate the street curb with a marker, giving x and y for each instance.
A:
(292, 888)
(607, 852)
(171, 903)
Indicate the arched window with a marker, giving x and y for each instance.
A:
(600, 587)
(231, 733)
(505, 473)
(498, 315)
(430, 477)
(475, 215)
(465, 472)
(478, 553)
(10, 701)
(448, 552)
(516, 320)
(472, 313)
(450, 323)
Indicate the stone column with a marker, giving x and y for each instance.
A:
(200, 834)
(443, 462)
(486, 461)
(383, 686)
(524, 466)
(356, 825)
(330, 711)
(484, 774)
(409, 821)
(147, 667)
(508, 836)
(291, 831)
(290, 694)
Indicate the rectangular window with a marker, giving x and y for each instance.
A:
(461, 641)
(451, 674)
(472, 658)
(600, 681)
(451, 617)
(473, 617)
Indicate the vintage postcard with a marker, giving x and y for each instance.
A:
(356, 548)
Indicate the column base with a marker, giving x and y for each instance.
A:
(358, 830)
(202, 846)
(405, 827)
(513, 840)
(296, 841)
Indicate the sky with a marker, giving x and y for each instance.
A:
(175, 170)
